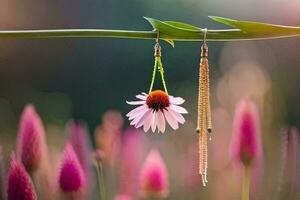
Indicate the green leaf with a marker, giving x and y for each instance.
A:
(259, 29)
(173, 28)
(183, 26)
(170, 42)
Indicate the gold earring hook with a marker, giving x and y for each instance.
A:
(157, 48)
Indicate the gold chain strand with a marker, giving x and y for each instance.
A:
(204, 113)
(209, 120)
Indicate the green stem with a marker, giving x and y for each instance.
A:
(161, 70)
(100, 178)
(153, 74)
(246, 183)
(212, 35)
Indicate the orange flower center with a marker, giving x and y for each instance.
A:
(158, 100)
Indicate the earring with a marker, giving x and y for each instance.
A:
(204, 123)
(157, 106)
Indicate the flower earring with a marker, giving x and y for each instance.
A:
(204, 124)
(157, 107)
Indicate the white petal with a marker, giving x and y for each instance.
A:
(142, 97)
(161, 124)
(143, 119)
(176, 100)
(177, 116)
(135, 102)
(153, 121)
(136, 111)
(138, 117)
(171, 120)
(178, 109)
(148, 121)
(143, 93)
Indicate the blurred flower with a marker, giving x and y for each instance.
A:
(99, 155)
(31, 144)
(20, 186)
(246, 142)
(123, 197)
(289, 182)
(131, 152)
(79, 139)
(107, 135)
(154, 177)
(71, 178)
(190, 168)
(153, 108)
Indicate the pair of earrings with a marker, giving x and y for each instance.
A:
(157, 107)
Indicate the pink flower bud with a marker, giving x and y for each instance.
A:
(130, 157)
(246, 141)
(71, 178)
(31, 140)
(79, 138)
(19, 186)
(154, 177)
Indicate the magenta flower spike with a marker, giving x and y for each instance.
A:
(19, 186)
(71, 177)
(154, 177)
(246, 141)
(79, 138)
(31, 143)
(130, 156)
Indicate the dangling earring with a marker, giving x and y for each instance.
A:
(204, 123)
(157, 106)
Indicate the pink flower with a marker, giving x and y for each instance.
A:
(154, 108)
(79, 139)
(107, 135)
(154, 176)
(123, 197)
(289, 178)
(31, 144)
(246, 141)
(71, 178)
(19, 186)
(130, 156)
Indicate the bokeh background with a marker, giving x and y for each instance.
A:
(82, 78)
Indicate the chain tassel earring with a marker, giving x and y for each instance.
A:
(204, 123)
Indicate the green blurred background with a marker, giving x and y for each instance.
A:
(82, 78)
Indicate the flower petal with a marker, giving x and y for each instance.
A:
(137, 118)
(170, 119)
(153, 121)
(178, 109)
(142, 97)
(161, 124)
(176, 100)
(135, 102)
(177, 116)
(136, 111)
(143, 119)
(148, 121)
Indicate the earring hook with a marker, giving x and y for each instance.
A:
(204, 48)
(204, 34)
(157, 48)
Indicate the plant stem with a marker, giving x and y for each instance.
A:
(100, 180)
(212, 35)
(246, 183)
